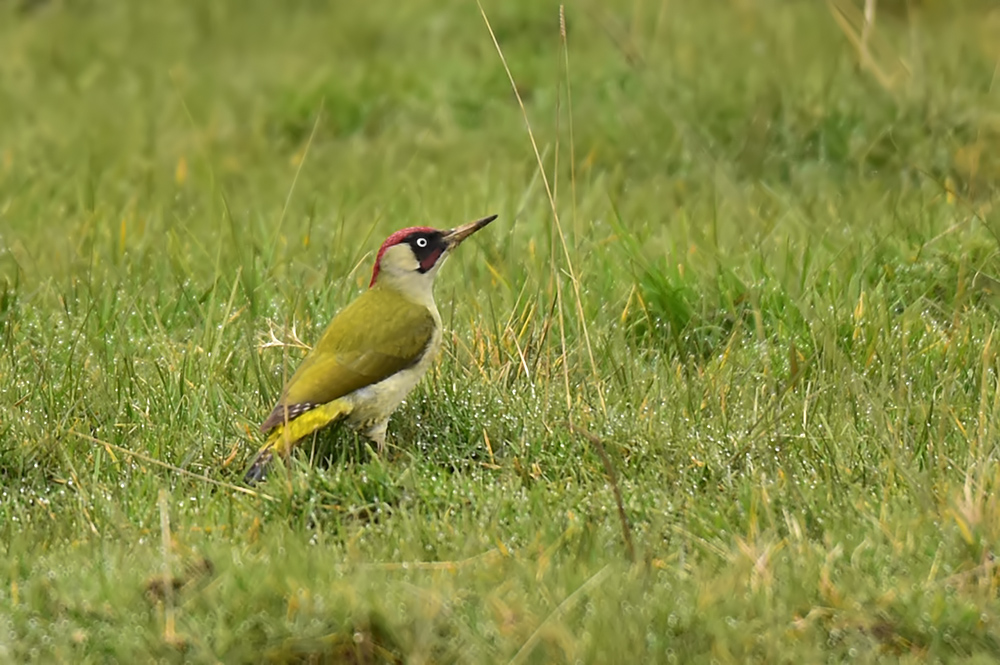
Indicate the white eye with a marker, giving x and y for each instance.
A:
(421, 242)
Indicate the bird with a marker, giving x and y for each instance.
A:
(373, 352)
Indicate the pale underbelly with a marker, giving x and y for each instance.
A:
(372, 405)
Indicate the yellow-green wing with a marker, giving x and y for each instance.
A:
(371, 339)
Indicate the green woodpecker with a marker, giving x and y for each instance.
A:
(375, 350)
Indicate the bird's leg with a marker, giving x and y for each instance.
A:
(376, 434)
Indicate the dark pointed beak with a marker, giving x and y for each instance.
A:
(455, 236)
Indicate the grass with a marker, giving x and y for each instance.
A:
(781, 349)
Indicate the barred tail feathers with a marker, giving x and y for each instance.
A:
(285, 435)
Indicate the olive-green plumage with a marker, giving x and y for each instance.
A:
(374, 351)
(361, 346)
(358, 372)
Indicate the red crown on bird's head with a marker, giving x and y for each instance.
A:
(396, 238)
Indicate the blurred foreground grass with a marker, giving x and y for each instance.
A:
(783, 331)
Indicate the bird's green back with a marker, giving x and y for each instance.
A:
(377, 335)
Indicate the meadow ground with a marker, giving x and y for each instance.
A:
(766, 316)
